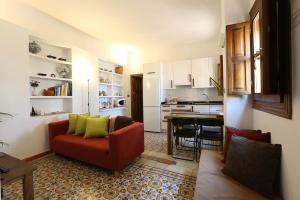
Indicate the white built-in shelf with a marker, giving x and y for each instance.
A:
(50, 78)
(50, 59)
(111, 84)
(113, 73)
(109, 109)
(51, 114)
(111, 97)
(50, 97)
(106, 84)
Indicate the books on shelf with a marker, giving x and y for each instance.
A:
(63, 90)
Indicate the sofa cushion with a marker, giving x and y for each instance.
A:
(72, 123)
(71, 141)
(80, 125)
(96, 127)
(254, 164)
(122, 121)
(111, 126)
(249, 134)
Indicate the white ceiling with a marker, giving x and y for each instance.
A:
(139, 22)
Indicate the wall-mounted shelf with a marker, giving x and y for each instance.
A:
(111, 84)
(51, 114)
(111, 97)
(50, 59)
(51, 97)
(50, 78)
(113, 73)
(110, 109)
(62, 88)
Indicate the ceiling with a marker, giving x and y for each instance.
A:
(165, 23)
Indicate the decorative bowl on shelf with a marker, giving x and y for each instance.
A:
(119, 70)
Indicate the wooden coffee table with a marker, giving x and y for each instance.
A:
(18, 169)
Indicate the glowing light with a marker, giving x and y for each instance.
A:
(83, 70)
(120, 54)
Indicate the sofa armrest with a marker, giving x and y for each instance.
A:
(57, 128)
(126, 144)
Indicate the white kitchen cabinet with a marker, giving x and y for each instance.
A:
(201, 109)
(152, 69)
(165, 110)
(167, 76)
(201, 73)
(182, 70)
(213, 67)
(215, 109)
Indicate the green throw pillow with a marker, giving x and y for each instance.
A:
(72, 123)
(81, 123)
(96, 127)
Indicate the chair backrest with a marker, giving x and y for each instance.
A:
(182, 122)
(209, 122)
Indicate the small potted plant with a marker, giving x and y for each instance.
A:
(34, 85)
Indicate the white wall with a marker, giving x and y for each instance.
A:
(238, 111)
(28, 136)
(284, 131)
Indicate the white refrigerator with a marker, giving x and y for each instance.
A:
(151, 101)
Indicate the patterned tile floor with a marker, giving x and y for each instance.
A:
(61, 178)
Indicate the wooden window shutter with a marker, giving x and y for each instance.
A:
(238, 59)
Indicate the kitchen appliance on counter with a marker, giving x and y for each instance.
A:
(152, 96)
(121, 102)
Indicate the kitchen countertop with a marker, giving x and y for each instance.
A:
(194, 116)
(194, 103)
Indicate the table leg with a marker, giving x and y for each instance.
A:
(170, 150)
(28, 187)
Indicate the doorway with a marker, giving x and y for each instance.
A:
(136, 81)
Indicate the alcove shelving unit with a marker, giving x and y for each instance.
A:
(110, 87)
(47, 72)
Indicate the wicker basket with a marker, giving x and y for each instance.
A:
(119, 70)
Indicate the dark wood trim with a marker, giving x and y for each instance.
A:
(238, 60)
(276, 66)
(136, 85)
(274, 104)
(37, 156)
(137, 75)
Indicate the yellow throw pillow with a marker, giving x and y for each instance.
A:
(81, 123)
(96, 127)
(72, 123)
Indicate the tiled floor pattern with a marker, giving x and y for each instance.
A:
(62, 178)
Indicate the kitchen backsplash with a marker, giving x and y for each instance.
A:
(191, 94)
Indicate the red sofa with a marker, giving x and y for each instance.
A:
(114, 152)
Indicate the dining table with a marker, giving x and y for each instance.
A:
(202, 118)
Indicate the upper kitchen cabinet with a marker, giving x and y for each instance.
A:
(152, 69)
(205, 68)
(201, 73)
(182, 72)
(238, 59)
(167, 76)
